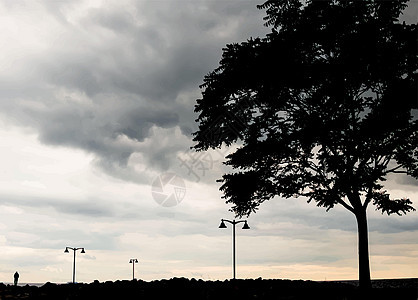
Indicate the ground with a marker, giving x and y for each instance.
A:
(184, 289)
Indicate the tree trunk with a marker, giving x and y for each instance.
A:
(363, 249)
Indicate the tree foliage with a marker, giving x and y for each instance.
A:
(321, 107)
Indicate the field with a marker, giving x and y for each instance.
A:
(184, 289)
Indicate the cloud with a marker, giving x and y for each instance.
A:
(104, 77)
(394, 224)
(100, 76)
(84, 208)
(406, 181)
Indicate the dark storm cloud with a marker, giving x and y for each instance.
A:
(104, 76)
(137, 124)
(156, 50)
(101, 78)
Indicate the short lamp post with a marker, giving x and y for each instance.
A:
(74, 249)
(133, 261)
(233, 222)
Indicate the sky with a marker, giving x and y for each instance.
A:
(96, 116)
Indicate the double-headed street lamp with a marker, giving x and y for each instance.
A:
(74, 249)
(133, 261)
(233, 222)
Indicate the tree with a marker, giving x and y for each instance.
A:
(321, 107)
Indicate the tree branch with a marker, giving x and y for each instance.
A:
(343, 203)
(396, 170)
(368, 197)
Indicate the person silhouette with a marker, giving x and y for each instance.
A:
(16, 276)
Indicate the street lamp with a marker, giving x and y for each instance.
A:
(133, 261)
(74, 249)
(233, 236)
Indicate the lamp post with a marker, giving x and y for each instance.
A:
(233, 222)
(133, 261)
(74, 249)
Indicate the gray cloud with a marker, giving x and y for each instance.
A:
(314, 219)
(58, 239)
(87, 208)
(394, 224)
(406, 180)
(107, 75)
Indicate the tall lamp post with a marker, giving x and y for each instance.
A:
(133, 261)
(74, 249)
(233, 222)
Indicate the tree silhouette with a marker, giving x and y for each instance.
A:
(321, 108)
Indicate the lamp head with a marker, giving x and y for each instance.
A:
(66, 250)
(222, 224)
(82, 250)
(245, 226)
